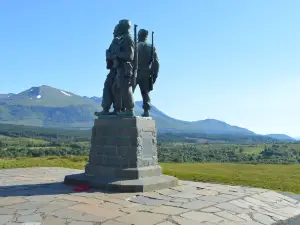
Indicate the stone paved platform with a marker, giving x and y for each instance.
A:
(37, 196)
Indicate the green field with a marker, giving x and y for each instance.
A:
(10, 141)
(276, 177)
(254, 149)
(74, 162)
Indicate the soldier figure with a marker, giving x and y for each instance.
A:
(123, 80)
(111, 64)
(148, 68)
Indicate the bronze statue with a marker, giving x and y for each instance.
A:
(148, 68)
(130, 64)
(124, 77)
(111, 64)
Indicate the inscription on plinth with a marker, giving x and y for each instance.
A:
(147, 144)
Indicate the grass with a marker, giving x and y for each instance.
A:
(4, 137)
(74, 162)
(276, 177)
(254, 149)
(12, 141)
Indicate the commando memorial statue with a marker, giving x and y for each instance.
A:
(109, 94)
(123, 155)
(148, 68)
(118, 87)
(125, 72)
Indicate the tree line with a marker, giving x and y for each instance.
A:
(37, 142)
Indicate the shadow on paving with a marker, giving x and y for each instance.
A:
(291, 195)
(292, 221)
(43, 189)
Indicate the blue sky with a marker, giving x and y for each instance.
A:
(236, 61)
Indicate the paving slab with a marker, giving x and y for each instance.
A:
(229, 216)
(211, 210)
(113, 222)
(74, 215)
(166, 223)
(144, 218)
(184, 221)
(5, 219)
(35, 217)
(106, 213)
(39, 196)
(263, 219)
(203, 217)
(169, 210)
(51, 220)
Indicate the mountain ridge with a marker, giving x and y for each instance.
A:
(51, 107)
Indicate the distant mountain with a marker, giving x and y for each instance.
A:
(6, 96)
(281, 137)
(94, 98)
(46, 96)
(51, 107)
(167, 123)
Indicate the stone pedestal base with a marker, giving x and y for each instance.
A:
(123, 157)
(114, 184)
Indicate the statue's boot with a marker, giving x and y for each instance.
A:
(128, 113)
(146, 113)
(104, 112)
(116, 112)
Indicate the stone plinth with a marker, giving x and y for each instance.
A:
(123, 157)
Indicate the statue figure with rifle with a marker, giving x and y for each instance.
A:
(148, 68)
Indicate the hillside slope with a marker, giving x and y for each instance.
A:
(281, 137)
(167, 123)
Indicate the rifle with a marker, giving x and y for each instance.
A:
(151, 63)
(135, 61)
